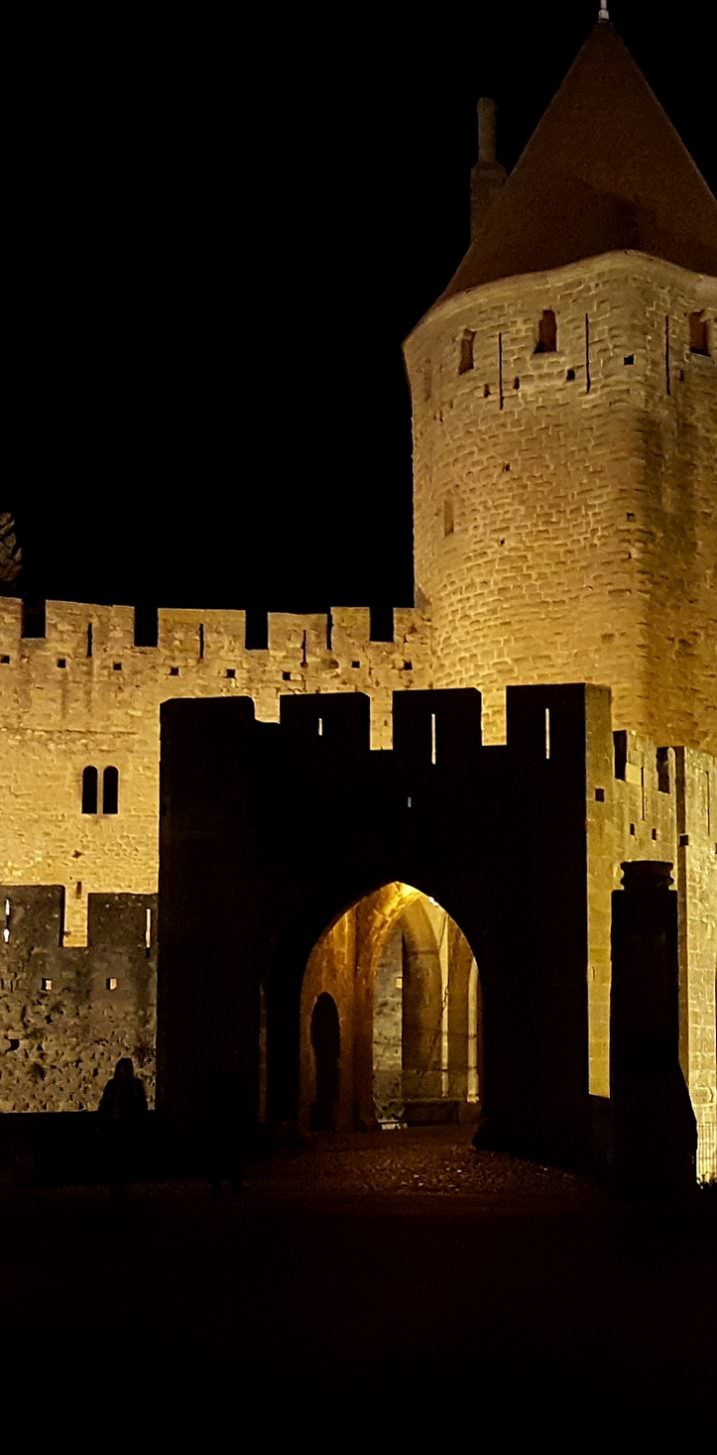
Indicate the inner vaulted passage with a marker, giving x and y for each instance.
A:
(389, 1007)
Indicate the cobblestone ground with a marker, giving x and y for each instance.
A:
(431, 1161)
(390, 1291)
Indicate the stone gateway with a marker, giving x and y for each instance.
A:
(471, 869)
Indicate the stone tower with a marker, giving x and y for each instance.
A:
(564, 395)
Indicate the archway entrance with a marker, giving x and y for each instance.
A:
(394, 985)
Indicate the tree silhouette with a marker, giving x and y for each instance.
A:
(10, 551)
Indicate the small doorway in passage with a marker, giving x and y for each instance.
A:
(326, 1046)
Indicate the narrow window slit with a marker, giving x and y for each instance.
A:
(620, 749)
(89, 790)
(699, 335)
(663, 770)
(547, 333)
(465, 363)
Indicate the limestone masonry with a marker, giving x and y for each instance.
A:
(564, 394)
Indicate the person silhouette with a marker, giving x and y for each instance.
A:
(123, 1107)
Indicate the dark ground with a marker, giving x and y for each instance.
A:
(396, 1290)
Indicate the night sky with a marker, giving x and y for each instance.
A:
(220, 232)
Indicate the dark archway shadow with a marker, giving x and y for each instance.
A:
(326, 1046)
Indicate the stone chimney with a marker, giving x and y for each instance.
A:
(487, 175)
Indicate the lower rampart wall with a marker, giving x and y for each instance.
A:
(67, 1015)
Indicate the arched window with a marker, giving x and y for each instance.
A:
(699, 334)
(110, 790)
(465, 362)
(89, 790)
(547, 333)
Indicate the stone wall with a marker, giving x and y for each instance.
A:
(86, 695)
(646, 802)
(68, 1014)
(565, 503)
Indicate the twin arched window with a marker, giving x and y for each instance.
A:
(110, 790)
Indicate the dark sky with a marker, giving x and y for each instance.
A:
(220, 233)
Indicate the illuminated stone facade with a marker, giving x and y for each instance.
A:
(85, 695)
(565, 524)
(565, 518)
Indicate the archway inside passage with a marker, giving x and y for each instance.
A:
(405, 986)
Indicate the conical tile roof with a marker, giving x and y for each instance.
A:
(604, 171)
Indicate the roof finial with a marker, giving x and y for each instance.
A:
(604, 12)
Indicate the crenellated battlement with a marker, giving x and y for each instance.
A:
(439, 728)
(79, 706)
(84, 645)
